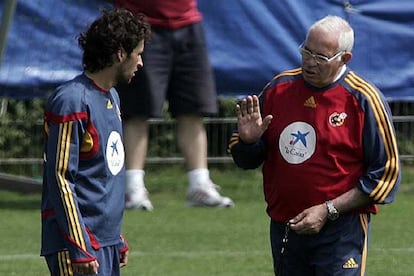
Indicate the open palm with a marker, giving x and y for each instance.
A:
(250, 124)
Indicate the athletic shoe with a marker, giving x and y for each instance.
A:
(138, 199)
(206, 195)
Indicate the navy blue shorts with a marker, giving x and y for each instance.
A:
(339, 249)
(108, 257)
(176, 69)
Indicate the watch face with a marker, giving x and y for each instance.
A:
(333, 214)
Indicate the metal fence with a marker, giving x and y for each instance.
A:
(163, 148)
(219, 131)
(162, 137)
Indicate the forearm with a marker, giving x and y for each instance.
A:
(352, 200)
(311, 220)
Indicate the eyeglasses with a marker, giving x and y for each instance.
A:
(319, 59)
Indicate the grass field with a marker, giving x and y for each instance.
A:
(177, 241)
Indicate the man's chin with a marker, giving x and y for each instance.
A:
(125, 81)
(311, 78)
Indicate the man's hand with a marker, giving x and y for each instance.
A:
(123, 259)
(86, 268)
(249, 120)
(310, 221)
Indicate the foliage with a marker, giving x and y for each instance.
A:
(227, 107)
(20, 128)
(22, 133)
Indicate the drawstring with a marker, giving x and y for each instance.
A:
(282, 249)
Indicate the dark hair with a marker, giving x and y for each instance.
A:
(114, 30)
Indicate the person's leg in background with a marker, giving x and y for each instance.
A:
(192, 141)
(143, 98)
(136, 145)
(176, 69)
(191, 95)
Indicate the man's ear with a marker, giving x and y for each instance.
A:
(121, 55)
(346, 57)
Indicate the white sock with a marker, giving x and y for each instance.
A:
(134, 179)
(198, 176)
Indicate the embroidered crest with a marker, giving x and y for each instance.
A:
(337, 119)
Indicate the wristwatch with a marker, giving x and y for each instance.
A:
(333, 213)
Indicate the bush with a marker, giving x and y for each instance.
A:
(22, 134)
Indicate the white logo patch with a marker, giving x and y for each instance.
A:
(115, 154)
(297, 142)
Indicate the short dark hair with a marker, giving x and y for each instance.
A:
(114, 30)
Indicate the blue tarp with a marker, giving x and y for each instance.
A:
(249, 41)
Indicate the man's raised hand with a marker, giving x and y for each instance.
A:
(249, 120)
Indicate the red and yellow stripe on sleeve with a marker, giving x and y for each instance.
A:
(392, 166)
(68, 201)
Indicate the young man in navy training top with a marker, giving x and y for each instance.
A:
(84, 175)
(326, 141)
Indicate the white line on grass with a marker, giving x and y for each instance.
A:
(185, 254)
(197, 254)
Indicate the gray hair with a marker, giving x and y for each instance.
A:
(336, 24)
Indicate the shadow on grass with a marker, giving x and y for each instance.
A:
(19, 193)
(20, 204)
(19, 201)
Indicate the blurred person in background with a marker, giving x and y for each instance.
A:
(327, 144)
(84, 174)
(177, 70)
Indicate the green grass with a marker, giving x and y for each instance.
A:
(177, 241)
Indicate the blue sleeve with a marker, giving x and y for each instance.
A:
(123, 245)
(381, 157)
(66, 123)
(246, 156)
